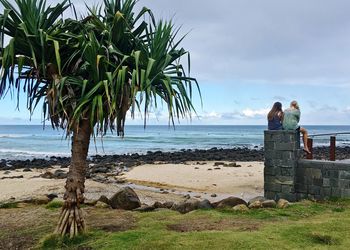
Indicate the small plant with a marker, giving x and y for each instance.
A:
(8, 205)
(54, 204)
(338, 209)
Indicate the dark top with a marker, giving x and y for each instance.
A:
(275, 123)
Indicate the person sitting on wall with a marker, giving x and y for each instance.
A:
(290, 121)
(275, 117)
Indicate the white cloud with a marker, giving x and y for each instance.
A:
(251, 113)
(245, 116)
(210, 115)
(235, 115)
(347, 109)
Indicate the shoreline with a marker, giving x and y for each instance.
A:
(185, 155)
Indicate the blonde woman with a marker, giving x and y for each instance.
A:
(290, 122)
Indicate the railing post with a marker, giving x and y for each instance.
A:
(332, 149)
(310, 146)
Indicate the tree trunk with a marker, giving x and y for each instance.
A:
(71, 221)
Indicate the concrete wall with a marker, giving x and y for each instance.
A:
(289, 177)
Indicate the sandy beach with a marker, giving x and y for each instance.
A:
(150, 181)
(246, 180)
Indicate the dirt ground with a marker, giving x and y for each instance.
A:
(22, 228)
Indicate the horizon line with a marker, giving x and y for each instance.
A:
(183, 125)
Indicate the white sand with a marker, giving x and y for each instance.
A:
(247, 181)
(226, 180)
(32, 185)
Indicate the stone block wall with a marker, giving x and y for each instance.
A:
(289, 177)
(282, 152)
(322, 179)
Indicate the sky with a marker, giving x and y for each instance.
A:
(247, 54)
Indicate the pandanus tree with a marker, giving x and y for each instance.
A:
(88, 72)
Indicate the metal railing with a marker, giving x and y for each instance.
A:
(332, 146)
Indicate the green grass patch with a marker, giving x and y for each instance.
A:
(324, 239)
(54, 241)
(338, 209)
(8, 205)
(54, 204)
(304, 225)
(294, 212)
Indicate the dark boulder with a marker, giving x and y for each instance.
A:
(269, 204)
(205, 204)
(47, 175)
(229, 202)
(144, 208)
(186, 206)
(52, 196)
(168, 204)
(126, 199)
(158, 204)
(60, 174)
(104, 199)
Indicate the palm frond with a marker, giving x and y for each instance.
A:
(98, 67)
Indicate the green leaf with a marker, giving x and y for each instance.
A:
(150, 64)
(58, 56)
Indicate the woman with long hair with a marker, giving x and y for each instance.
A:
(275, 117)
(290, 122)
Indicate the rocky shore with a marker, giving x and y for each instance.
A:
(127, 199)
(131, 160)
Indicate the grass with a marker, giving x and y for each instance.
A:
(54, 204)
(324, 239)
(306, 225)
(8, 205)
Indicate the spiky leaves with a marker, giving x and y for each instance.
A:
(96, 68)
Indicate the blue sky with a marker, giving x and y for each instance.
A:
(247, 54)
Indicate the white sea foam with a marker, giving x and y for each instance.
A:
(28, 154)
(14, 135)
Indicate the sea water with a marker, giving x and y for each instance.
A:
(27, 142)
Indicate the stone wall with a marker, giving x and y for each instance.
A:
(289, 177)
(282, 152)
(322, 179)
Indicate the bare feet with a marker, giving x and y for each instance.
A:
(306, 150)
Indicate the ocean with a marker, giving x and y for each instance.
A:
(27, 142)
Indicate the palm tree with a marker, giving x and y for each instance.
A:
(87, 73)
